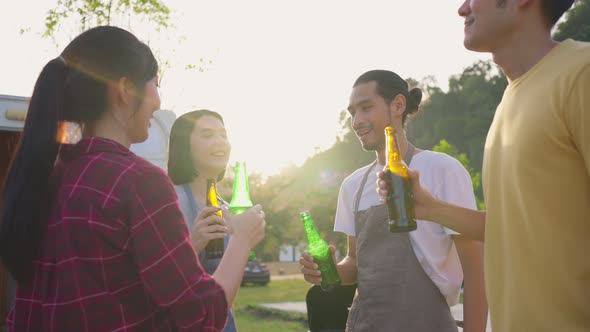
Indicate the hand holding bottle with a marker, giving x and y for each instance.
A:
(240, 198)
(207, 226)
(248, 226)
(215, 247)
(310, 269)
(322, 253)
(424, 203)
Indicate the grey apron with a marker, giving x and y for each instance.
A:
(393, 292)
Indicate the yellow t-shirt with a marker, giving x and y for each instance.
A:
(536, 178)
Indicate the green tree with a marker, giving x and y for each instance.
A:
(70, 17)
(461, 116)
(445, 147)
(275, 195)
(313, 186)
(101, 12)
(268, 192)
(576, 24)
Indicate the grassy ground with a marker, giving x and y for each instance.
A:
(252, 318)
(283, 268)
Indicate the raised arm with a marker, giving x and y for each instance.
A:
(470, 223)
(166, 261)
(346, 267)
(248, 230)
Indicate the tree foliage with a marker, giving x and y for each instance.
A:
(461, 116)
(444, 147)
(576, 24)
(101, 12)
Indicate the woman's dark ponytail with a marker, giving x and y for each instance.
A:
(73, 92)
(24, 199)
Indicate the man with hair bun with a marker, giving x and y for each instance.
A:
(405, 281)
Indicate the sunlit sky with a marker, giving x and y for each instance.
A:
(278, 71)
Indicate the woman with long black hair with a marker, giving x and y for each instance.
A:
(91, 232)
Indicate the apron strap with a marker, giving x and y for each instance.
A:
(359, 192)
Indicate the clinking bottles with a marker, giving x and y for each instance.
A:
(240, 199)
(400, 200)
(215, 247)
(320, 251)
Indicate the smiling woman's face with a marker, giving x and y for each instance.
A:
(209, 146)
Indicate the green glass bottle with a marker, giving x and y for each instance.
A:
(215, 247)
(320, 251)
(240, 198)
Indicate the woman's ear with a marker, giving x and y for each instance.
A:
(124, 92)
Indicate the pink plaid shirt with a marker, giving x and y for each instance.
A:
(115, 254)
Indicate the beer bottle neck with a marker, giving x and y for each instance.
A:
(212, 195)
(241, 189)
(316, 246)
(312, 233)
(394, 161)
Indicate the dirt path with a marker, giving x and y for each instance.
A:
(287, 277)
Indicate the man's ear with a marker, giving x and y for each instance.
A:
(398, 105)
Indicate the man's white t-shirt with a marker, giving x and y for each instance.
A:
(446, 179)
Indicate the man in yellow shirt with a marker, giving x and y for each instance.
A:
(536, 170)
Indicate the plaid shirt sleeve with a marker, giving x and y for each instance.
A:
(167, 262)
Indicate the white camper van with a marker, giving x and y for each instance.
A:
(13, 111)
(12, 119)
(155, 148)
